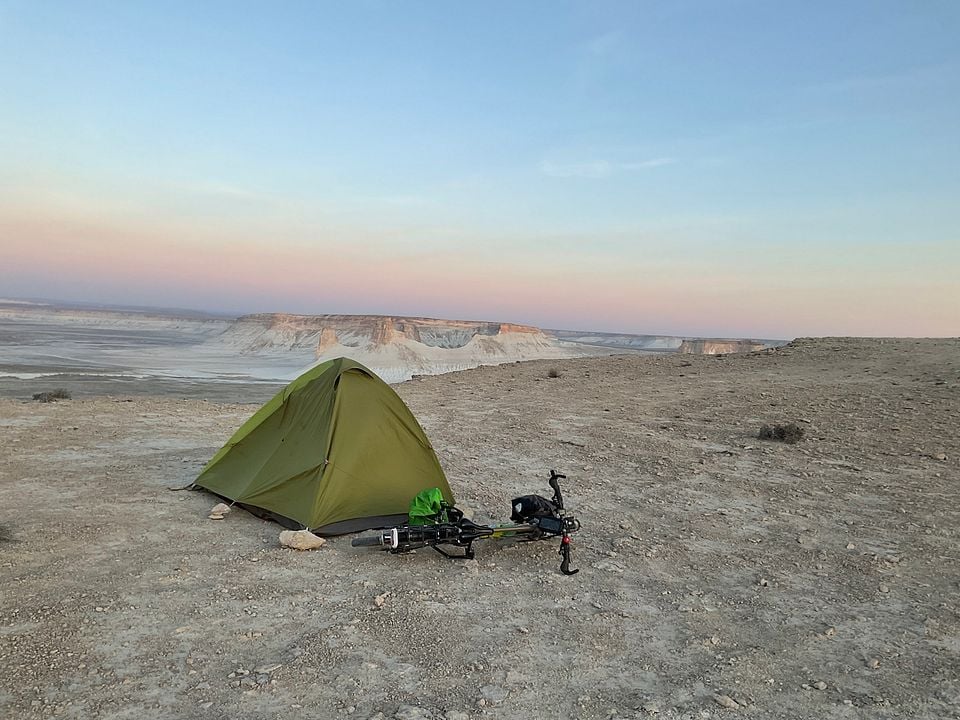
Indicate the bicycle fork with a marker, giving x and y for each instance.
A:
(565, 553)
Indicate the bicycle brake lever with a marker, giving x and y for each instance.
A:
(565, 554)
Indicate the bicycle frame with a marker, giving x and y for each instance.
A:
(462, 532)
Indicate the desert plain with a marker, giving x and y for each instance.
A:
(721, 575)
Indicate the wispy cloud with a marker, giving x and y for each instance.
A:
(931, 75)
(406, 200)
(595, 57)
(215, 188)
(598, 169)
(651, 163)
(603, 44)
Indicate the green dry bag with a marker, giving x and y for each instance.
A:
(428, 507)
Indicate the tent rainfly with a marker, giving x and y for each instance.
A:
(336, 451)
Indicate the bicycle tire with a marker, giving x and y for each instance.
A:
(368, 541)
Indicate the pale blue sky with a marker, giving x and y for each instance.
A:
(684, 162)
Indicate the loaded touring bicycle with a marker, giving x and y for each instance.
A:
(433, 523)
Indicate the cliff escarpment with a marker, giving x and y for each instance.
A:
(279, 331)
(708, 346)
(396, 347)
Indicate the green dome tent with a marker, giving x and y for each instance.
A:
(335, 451)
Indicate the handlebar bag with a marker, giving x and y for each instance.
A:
(528, 507)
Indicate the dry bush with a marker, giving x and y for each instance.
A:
(553, 373)
(790, 433)
(6, 533)
(52, 395)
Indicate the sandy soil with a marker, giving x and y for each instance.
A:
(722, 576)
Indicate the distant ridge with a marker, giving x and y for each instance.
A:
(397, 347)
(281, 345)
(70, 306)
(666, 343)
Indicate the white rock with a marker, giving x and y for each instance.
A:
(412, 712)
(301, 540)
(268, 668)
(726, 701)
(493, 694)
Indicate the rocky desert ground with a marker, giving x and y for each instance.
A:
(722, 576)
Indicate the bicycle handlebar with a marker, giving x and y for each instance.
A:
(555, 478)
(565, 554)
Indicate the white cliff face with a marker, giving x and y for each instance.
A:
(272, 347)
(710, 346)
(36, 340)
(396, 348)
(665, 343)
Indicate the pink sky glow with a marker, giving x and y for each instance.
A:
(72, 255)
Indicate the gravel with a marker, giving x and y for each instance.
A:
(120, 599)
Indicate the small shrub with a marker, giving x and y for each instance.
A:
(790, 433)
(553, 373)
(52, 395)
(6, 533)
